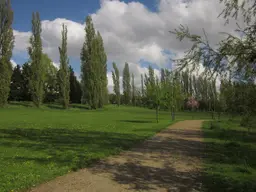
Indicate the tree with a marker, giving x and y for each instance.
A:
(6, 46)
(87, 72)
(126, 84)
(93, 68)
(75, 87)
(26, 75)
(133, 91)
(192, 103)
(103, 98)
(142, 85)
(116, 81)
(96, 78)
(37, 78)
(157, 97)
(16, 88)
(51, 87)
(234, 53)
(64, 69)
(153, 91)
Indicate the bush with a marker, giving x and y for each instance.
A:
(214, 125)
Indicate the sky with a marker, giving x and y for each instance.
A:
(136, 32)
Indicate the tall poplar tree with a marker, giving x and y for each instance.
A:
(37, 78)
(142, 85)
(86, 63)
(103, 80)
(133, 91)
(93, 68)
(64, 69)
(6, 46)
(95, 75)
(116, 81)
(90, 67)
(126, 84)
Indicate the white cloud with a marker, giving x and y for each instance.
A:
(131, 32)
(57, 65)
(14, 64)
(21, 41)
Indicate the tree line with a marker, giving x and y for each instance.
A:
(38, 80)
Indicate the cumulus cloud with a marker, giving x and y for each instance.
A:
(14, 64)
(132, 33)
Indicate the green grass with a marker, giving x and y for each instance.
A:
(230, 157)
(37, 145)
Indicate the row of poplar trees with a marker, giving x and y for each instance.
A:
(176, 86)
(93, 63)
(171, 91)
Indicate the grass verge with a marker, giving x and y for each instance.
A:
(229, 157)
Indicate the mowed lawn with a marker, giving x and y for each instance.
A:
(37, 145)
(230, 157)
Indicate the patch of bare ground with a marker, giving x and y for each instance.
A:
(170, 161)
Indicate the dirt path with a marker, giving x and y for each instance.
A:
(170, 161)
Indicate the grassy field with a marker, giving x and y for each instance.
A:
(230, 157)
(37, 145)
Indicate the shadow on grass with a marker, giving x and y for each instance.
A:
(136, 121)
(54, 106)
(230, 159)
(23, 103)
(79, 106)
(74, 148)
(72, 106)
(231, 135)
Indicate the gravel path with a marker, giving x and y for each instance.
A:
(170, 161)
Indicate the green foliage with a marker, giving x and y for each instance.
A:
(133, 91)
(17, 84)
(93, 68)
(51, 88)
(103, 81)
(6, 46)
(75, 87)
(229, 157)
(26, 73)
(37, 78)
(87, 72)
(116, 81)
(64, 69)
(126, 84)
(19, 89)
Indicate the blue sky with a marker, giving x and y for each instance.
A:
(75, 10)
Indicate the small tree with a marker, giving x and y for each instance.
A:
(126, 84)
(192, 104)
(116, 81)
(133, 91)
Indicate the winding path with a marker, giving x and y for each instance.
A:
(170, 161)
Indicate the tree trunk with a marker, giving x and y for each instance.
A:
(157, 108)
